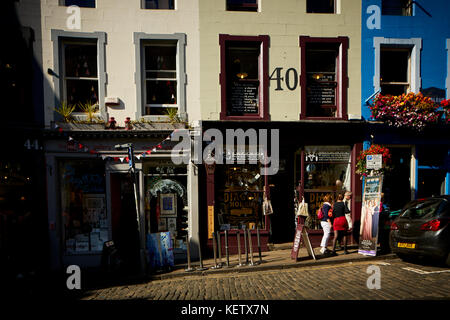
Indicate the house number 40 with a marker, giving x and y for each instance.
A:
(290, 77)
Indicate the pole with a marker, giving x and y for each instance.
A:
(216, 266)
(136, 201)
(238, 237)
(245, 246)
(226, 248)
(219, 249)
(259, 245)
(188, 245)
(200, 268)
(250, 247)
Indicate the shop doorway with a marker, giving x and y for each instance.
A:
(431, 182)
(124, 221)
(396, 182)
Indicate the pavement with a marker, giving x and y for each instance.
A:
(279, 257)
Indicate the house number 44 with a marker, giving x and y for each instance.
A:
(290, 77)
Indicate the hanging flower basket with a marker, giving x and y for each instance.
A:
(361, 167)
(407, 110)
(445, 104)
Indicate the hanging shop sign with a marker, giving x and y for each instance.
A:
(374, 161)
(370, 212)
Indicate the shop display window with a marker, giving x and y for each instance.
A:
(327, 170)
(83, 206)
(239, 197)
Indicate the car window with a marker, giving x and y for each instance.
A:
(425, 209)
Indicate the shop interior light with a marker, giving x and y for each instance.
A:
(242, 75)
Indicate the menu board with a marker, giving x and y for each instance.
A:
(243, 97)
(321, 93)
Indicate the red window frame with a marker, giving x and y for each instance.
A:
(341, 76)
(263, 113)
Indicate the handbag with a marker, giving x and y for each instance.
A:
(349, 220)
(267, 207)
(302, 209)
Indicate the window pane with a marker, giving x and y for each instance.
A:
(396, 7)
(161, 75)
(239, 196)
(81, 91)
(80, 3)
(394, 66)
(242, 5)
(161, 92)
(160, 57)
(392, 89)
(242, 73)
(80, 60)
(321, 80)
(159, 4)
(320, 6)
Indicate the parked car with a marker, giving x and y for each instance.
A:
(422, 229)
(386, 219)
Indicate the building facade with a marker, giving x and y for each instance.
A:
(405, 50)
(124, 69)
(288, 72)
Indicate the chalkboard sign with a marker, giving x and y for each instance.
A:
(243, 97)
(322, 94)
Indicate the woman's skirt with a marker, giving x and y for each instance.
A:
(340, 224)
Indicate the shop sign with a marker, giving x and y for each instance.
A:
(243, 201)
(374, 161)
(370, 216)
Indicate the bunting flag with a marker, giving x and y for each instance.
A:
(86, 149)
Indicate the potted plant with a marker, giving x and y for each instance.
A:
(445, 104)
(89, 110)
(65, 110)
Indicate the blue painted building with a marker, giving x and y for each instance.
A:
(406, 48)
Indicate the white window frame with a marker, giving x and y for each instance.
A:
(176, 79)
(415, 45)
(408, 75)
(63, 69)
(58, 38)
(140, 40)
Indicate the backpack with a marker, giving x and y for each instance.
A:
(320, 213)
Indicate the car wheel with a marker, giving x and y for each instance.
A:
(447, 261)
(405, 257)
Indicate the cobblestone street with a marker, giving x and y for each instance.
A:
(346, 281)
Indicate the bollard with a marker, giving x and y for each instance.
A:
(200, 268)
(216, 266)
(219, 249)
(245, 247)
(238, 236)
(226, 249)
(250, 246)
(189, 268)
(259, 245)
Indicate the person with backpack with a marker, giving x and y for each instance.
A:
(325, 222)
(340, 224)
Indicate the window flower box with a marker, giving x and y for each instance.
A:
(407, 110)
